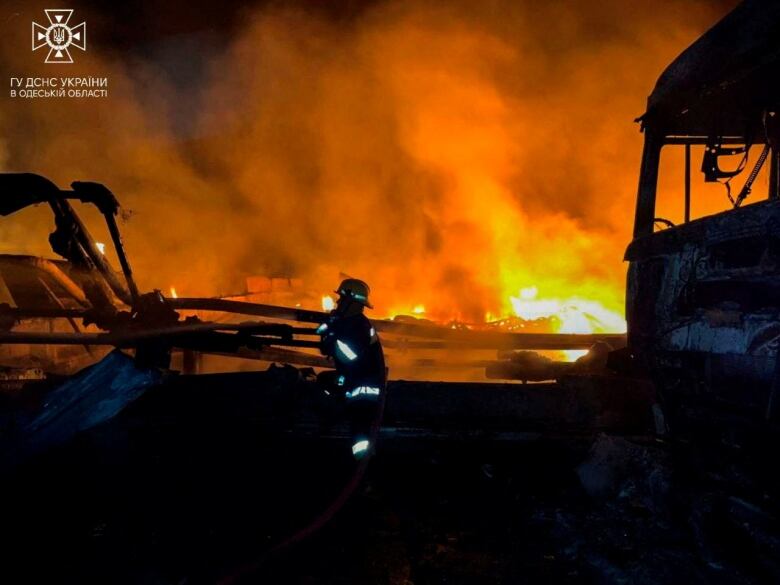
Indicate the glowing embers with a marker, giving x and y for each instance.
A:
(571, 315)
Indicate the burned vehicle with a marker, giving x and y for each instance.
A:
(702, 305)
(44, 293)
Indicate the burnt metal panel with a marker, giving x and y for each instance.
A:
(728, 76)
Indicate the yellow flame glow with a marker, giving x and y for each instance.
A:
(328, 304)
(174, 295)
(572, 315)
(529, 292)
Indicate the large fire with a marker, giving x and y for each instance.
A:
(528, 311)
(474, 163)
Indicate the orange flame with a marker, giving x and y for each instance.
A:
(472, 155)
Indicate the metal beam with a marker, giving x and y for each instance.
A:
(449, 338)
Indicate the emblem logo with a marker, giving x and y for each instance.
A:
(59, 36)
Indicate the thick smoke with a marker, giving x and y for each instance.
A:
(448, 154)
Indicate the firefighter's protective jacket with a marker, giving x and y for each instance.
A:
(354, 345)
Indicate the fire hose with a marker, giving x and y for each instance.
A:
(321, 519)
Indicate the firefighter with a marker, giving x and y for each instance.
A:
(349, 338)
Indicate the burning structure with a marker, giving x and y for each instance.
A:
(174, 454)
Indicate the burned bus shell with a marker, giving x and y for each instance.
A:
(703, 296)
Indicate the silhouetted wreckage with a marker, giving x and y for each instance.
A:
(104, 309)
(117, 381)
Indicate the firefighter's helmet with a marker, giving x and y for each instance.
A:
(355, 289)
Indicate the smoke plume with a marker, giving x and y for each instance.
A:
(449, 154)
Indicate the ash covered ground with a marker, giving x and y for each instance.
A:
(622, 514)
(182, 507)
